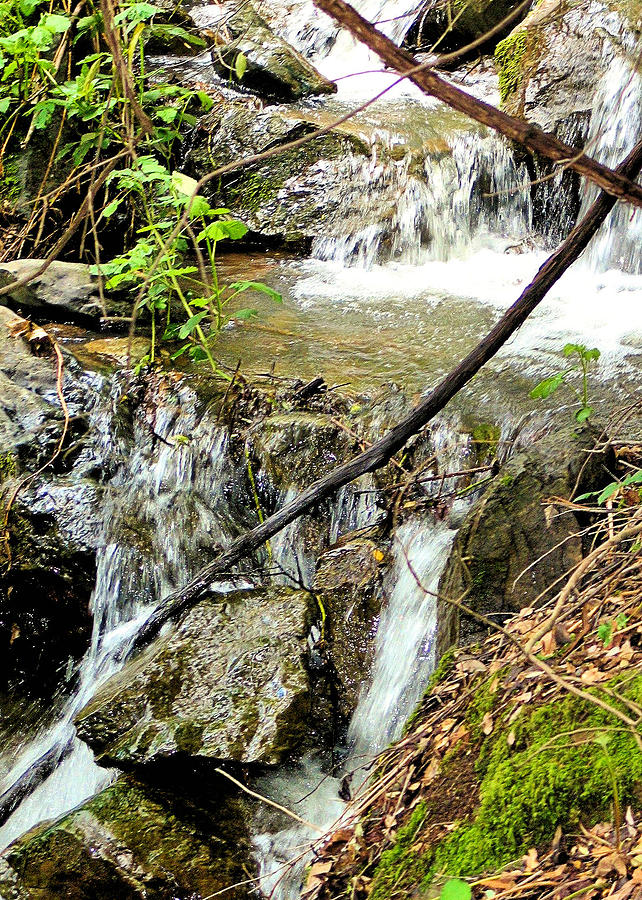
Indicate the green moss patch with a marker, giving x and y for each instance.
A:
(509, 59)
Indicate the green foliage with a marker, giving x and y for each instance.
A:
(172, 209)
(613, 488)
(400, 867)
(549, 385)
(164, 215)
(455, 889)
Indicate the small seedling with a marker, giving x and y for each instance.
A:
(549, 385)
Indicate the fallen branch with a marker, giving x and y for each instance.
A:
(617, 183)
(383, 450)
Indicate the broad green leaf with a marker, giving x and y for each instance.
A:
(584, 413)
(635, 478)
(56, 24)
(4, 104)
(27, 7)
(206, 101)
(609, 491)
(240, 65)
(605, 632)
(190, 325)
(111, 208)
(239, 287)
(570, 349)
(234, 229)
(213, 232)
(244, 314)
(593, 353)
(546, 387)
(455, 889)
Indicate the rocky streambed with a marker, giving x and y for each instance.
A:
(156, 472)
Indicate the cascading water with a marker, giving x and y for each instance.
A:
(164, 507)
(403, 661)
(618, 243)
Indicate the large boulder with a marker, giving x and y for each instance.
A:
(50, 530)
(549, 68)
(229, 683)
(133, 842)
(272, 68)
(452, 24)
(63, 292)
(295, 195)
(511, 549)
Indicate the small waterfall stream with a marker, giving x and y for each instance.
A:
(163, 509)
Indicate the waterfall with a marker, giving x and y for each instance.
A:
(615, 128)
(469, 187)
(404, 658)
(164, 508)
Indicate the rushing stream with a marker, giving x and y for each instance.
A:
(370, 304)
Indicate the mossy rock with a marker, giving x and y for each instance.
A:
(294, 195)
(272, 68)
(508, 551)
(132, 841)
(229, 682)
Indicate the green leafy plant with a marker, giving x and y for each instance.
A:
(605, 629)
(612, 489)
(582, 358)
(164, 198)
(61, 70)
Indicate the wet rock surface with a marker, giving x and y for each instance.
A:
(49, 533)
(348, 582)
(64, 292)
(133, 841)
(291, 197)
(273, 68)
(228, 683)
(510, 549)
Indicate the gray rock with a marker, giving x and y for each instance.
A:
(229, 682)
(48, 558)
(274, 68)
(509, 549)
(64, 292)
(133, 842)
(349, 584)
(298, 194)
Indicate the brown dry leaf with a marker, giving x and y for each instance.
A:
(495, 666)
(500, 882)
(592, 676)
(636, 862)
(531, 860)
(614, 862)
(549, 644)
(510, 738)
(626, 651)
(320, 868)
(341, 836)
(470, 666)
(487, 723)
(637, 876)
